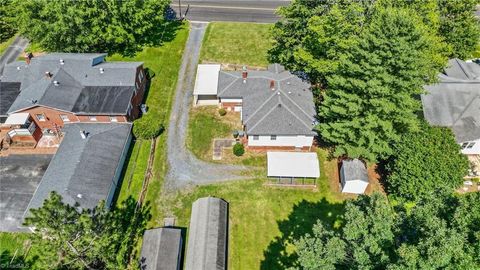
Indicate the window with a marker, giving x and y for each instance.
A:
(129, 109)
(140, 75)
(40, 117)
(92, 118)
(113, 119)
(470, 145)
(136, 87)
(273, 137)
(255, 137)
(64, 118)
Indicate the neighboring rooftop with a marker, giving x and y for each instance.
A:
(9, 91)
(274, 101)
(161, 249)
(80, 83)
(83, 170)
(455, 100)
(206, 81)
(354, 170)
(208, 235)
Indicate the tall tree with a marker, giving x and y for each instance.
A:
(371, 100)
(425, 162)
(7, 21)
(364, 242)
(92, 25)
(459, 27)
(74, 238)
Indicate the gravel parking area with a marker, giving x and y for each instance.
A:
(20, 176)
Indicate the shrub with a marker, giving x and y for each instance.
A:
(238, 149)
(146, 128)
(222, 112)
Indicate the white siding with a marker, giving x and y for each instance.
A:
(475, 150)
(295, 141)
(231, 100)
(355, 186)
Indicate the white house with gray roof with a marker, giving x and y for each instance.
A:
(276, 107)
(454, 102)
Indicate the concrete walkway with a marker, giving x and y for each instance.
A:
(13, 52)
(218, 145)
(183, 168)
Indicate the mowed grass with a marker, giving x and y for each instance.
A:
(4, 45)
(236, 43)
(163, 63)
(264, 221)
(17, 252)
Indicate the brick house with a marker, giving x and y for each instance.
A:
(61, 88)
(276, 107)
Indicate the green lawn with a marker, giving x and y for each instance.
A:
(264, 220)
(4, 45)
(16, 252)
(236, 43)
(163, 63)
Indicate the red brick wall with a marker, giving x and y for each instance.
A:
(138, 97)
(231, 105)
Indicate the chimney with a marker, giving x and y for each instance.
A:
(244, 74)
(272, 85)
(83, 134)
(48, 74)
(28, 57)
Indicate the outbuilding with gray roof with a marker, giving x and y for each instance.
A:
(161, 249)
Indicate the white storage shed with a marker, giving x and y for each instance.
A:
(354, 176)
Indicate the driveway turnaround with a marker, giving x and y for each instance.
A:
(184, 168)
(19, 178)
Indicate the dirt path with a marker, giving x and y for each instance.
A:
(184, 168)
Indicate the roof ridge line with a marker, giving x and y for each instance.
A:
(298, 106)
(259, 107)
(465, 109)
(288, 109)
(228, 86)
(263, 118)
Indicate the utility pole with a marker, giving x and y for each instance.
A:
(180, 9)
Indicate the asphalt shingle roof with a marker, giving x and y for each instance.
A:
(83, 170)
(82, 78)
(354, 170)
(265, 111)
(8, 93)
(455, 100)
(208, 234)
(161, 249)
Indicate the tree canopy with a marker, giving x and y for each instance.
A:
(425, 162)
(7, 22)
(91, 25)
(439, 232)
(74, 238)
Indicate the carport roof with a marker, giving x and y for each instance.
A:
(293, 164)
(83, 170)
(206, 82)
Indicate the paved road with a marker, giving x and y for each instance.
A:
(184, 168)
(262, 11)
(13, 52)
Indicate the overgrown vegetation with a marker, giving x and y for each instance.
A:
(7, 21)
(92, 26)
(236, 43)
(425, 163)
(369, 61)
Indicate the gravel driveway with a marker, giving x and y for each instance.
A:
(184, 168)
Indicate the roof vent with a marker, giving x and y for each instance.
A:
(272, 85)
(34, 101)
(101, 70)
(84, 134)
(289, 92)
(18, 68)
(48, 74)
(61, 62)
(56, 83)
(79, 195)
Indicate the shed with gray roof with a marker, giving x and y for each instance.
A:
(454, 102)
(353, 176)
(208, 235)
(87, 166)
(161, 249)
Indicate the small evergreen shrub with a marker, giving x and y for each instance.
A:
(146, 128)
(238, 149)
(222, 112)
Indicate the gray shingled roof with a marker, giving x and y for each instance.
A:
(208, 234)
(353, 170)
(287, 110)
(85, 166)
(161, 249)
(455, 100)
(80, 81)
(8, 93)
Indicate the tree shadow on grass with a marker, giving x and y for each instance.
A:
(163, 33)
(279, 254)
(16, 260)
